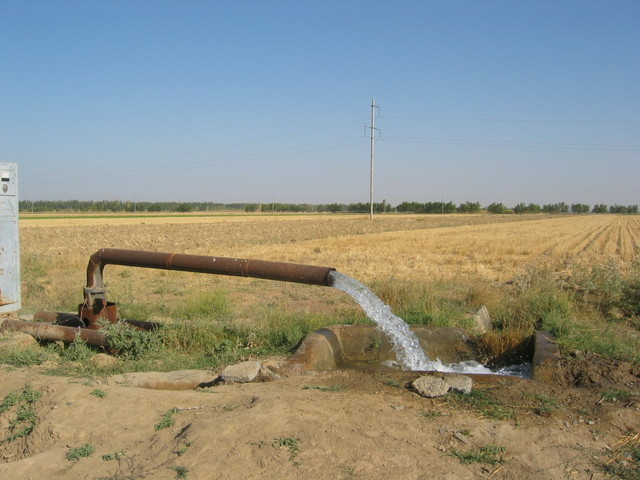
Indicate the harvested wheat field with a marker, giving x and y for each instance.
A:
(494, 247)
(488, 248)
(330, 425)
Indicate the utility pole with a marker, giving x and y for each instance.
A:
(372, 129)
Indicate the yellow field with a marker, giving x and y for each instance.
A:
(491, 251)
(492, 248)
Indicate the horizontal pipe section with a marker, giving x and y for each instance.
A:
(47, 331)
(286, 272)
(70, 320)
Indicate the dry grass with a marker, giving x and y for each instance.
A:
(481, 249)
(575, 276)
(495, 252)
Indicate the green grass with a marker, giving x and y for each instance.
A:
(291, 444)
(82, 451)
(98, 393)
(615, 395)
(595, 309)
(335, 388)
(541, 404)
(535, 298)
(25, 357)
(431, 414)
(204, 305)
(489, 454)
(484, 403)
(77, 351)
(577, 310)
(114, 456)
(183, 449)
(19, 407)
(393, 383)
(181, 472)
(585, 311)
(423, 302)
(133, 215)
(208, 339)
(140, 311)
(167, 420)
(128, 341)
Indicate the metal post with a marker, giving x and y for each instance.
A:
(373, 129)
(373, 142)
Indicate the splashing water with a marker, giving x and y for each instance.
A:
(409, 353)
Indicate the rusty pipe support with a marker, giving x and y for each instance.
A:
(286, 272)
(47, 331)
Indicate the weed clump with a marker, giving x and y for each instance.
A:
(582, 308)
(483, 403)
(181, 472)
(128, 341)
(98, 393)
(22, 405)
(114, 456)
(489, 454)
(83, 451)
(536, 301)
(289, 443)
(77, 351)
(167, 420)
(615, 395)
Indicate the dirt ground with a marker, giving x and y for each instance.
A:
(332, 425)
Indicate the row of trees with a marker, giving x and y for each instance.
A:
(361, 207)
(120, 206)
(563, 208)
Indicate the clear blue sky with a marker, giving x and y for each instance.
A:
(258, 101)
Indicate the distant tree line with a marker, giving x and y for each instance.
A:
(126, 206)
(562, 208)
(361, 207)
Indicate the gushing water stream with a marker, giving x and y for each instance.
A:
(409, 353)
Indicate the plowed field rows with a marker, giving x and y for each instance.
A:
(493, 251)
(495, 248)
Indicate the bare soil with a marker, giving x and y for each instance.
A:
(332, 425)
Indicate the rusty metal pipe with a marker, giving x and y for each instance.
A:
(72, 320)
(47, 331)
(286, 272)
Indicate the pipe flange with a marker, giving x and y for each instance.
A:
(91, 294)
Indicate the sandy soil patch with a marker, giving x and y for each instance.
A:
(341, 425)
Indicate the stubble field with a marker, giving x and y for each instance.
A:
(493, 247)
(483, 248)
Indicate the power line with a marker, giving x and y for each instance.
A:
(63, 175)
(518, 144)
(240, 158)
(511, 120)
